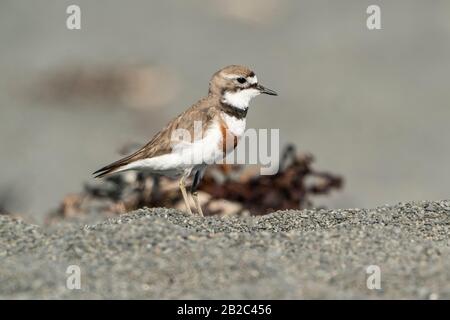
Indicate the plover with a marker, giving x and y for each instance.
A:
(220, 117)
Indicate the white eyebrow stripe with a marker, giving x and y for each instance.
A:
(252, 80)
(232, 76)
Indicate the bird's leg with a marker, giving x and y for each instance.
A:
(194, 193)
(197, 203)
(184, 193)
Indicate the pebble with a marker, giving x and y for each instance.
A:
(314, 254)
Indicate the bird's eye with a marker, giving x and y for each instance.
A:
(241, 80)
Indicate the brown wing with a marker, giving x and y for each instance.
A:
(161, 143)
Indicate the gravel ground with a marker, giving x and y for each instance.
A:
(164, 253)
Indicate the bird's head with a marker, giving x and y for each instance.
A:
(236, 86)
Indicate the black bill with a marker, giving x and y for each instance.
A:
(265, 90)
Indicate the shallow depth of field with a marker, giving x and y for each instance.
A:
(371, 106)
(363, 118)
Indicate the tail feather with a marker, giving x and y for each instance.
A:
(146, 151)
(103, 172)
(113, 167)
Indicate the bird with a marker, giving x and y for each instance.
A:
(217, 122)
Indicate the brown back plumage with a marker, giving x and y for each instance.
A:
(204, 111)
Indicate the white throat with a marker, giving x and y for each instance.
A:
(240, 99)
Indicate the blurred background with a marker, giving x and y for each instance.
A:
(372, 106)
